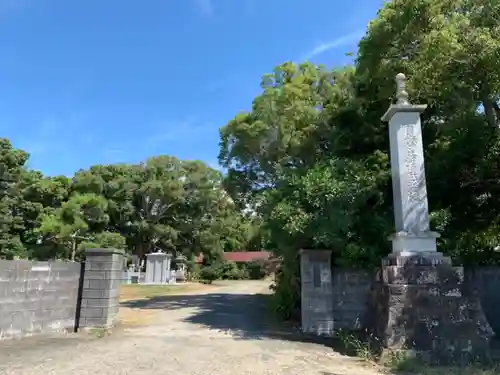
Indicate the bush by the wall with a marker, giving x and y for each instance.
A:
(208, 274)
(229, 270)
(236, 274)
(256, 270)
(194, 270)
(286, 288)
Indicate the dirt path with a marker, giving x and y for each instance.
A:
(217, 332)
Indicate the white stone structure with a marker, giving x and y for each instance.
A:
(158, 268)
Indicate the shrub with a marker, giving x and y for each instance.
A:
(236, 274)
(256, 270)
(286, 288)
(208, 274)
(229, 270)
(194, 270)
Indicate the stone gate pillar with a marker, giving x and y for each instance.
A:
(316, 292)
(420, 302)
(101, 288)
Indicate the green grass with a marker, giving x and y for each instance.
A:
(135, 291)
(413, 367)
(99, 332)
(399, 364)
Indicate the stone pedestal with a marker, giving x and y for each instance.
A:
(180, 265)
(409, 243)
(421, 305)
(316, 292)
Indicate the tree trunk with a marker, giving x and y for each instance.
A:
(73, 250)
(490, 105)
(497, 110)
(489, 111)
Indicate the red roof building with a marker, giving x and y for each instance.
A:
(242, 256)
(246, 256)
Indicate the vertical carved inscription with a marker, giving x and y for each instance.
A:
(412, 173)
(316, 275)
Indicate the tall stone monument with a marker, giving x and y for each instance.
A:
(420, 300)
(411, 211)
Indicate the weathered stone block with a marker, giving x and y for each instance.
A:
(423, 306)
(316, 293)
(415, 259)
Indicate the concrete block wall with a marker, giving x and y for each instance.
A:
(37, 297)
(342, 302)
(103, 278)
(351, 291)
(43, 297)
(486, 282)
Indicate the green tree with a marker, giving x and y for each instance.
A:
(11, 221)
(72, 223)
(311, 157)
(450, 52)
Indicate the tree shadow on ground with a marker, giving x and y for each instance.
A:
(245, 316)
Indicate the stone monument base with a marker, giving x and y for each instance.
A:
(422, 306)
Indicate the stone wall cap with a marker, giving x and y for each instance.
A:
(317, 251)
(395, 108)
(428, 234)
(104, 251)
(160, 253)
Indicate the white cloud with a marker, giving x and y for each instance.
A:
(334, 43)
(205, 7)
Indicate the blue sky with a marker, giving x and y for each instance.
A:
(86, 82)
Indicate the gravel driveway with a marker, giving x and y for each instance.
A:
(218, 332)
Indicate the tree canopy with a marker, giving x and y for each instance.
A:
(307, 167)
(312, 155)
(163, 203)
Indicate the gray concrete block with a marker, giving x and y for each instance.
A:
(116, 274)
(92, 312)
(99, 293)
(96, 284)
(96, 274)
(95, 322)
(96, 252)
(101, 265)
(98, 302)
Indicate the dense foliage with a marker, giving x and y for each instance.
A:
(312, 159)
(229, 270)
(166, 203)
